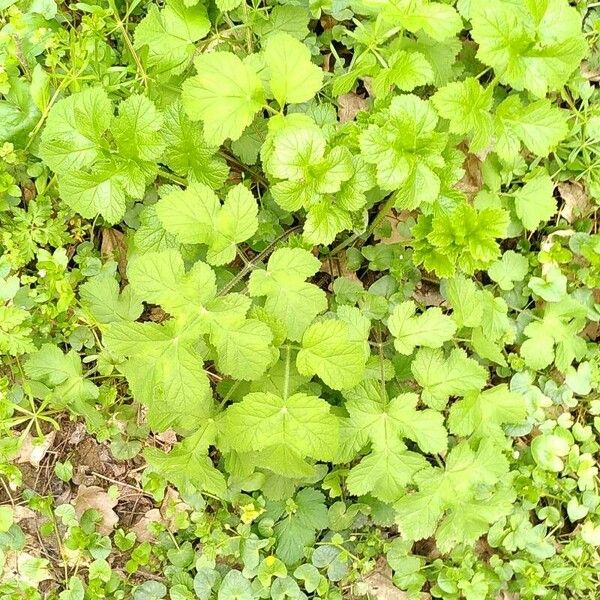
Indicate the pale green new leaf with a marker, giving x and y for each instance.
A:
(301, 424)
(102, 298)
(482, 414)
(72, 137)
(170, 34)
(289, 297)
(225, 95)
(330, 351)
(442, 377)
(534, 202)
(293, 77)
(188, 462)
(429, 329)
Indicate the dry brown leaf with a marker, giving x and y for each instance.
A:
(95, 497)
(378, 584)
(472, 180)
(338, 267)
(349, 105)
(394, 219)
(168, 438)
(589, 73)
(576, 200)
(141, 527)
(33, 450)
(113, 246)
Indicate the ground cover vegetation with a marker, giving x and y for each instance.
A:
(299, 299)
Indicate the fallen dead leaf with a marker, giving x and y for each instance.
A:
(168, 438)
(113, 246)
(21, 513)
(472, 180)
(157, 314)
(428, 294)
(78, 434)
(378, 584)
(576, 200)
(349, 105)
(394, 219)
(141, 527)
(590, 73)
(95, 497)
(338, 267)
(33, 450)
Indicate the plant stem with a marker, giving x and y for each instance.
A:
(383, 211)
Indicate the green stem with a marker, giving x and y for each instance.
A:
(286, 379)
(251, 263)
(383, 211)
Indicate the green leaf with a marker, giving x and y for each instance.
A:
(530, 46)
(465, 298)
(462, 495)
(386, 423)
(73, 135)
(467, 104)
(137, 129)
(442, 377)
(482, 414)
(243, 348)
(101, 296)
(288, 296)
(548, 450)
(406, 71)
(188, 461)
(539, 125)
(534, 202)
(306, 515)
(293, 77)
(429, 329)
(385, 473)
(225, 95)
(98, 191)
(511, 268)
(438, 20)
(6, 518)
(196, 216)
(235, 587)
(552, 287)
(170, 34)
(164, 368)
(161, 278)
(330, 351)
(300, 425)
(406, 150)
(186, 151)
